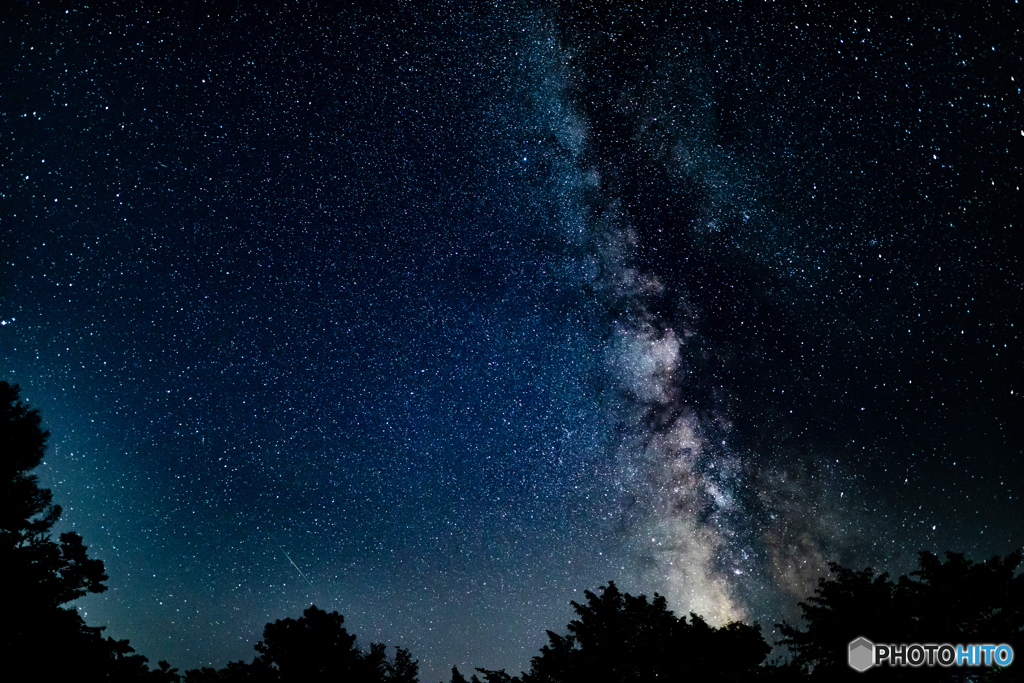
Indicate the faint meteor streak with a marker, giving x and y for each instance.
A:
(297, 568)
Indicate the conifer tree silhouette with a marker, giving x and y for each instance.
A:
(41, 575)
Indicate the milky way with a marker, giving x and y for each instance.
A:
(438, 318)
(710, 522)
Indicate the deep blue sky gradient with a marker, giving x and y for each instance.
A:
(384, 292)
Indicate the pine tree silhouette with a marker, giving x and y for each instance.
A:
(41, 636)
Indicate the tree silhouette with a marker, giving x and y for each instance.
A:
(47, 574)
(619, 637)
(402, 669)
(233, 672)
(853, 602)
(962, 601)
(41, 576)
(956, 602)
(315, 647)
(490, 676)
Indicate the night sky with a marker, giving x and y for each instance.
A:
(439, 317)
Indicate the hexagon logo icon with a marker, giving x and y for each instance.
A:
(862, 654)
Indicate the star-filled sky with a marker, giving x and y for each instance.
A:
(438, 316)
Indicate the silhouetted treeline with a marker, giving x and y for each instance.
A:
(957, 602)
(317, 648)
(618, 637)
(614, 637)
